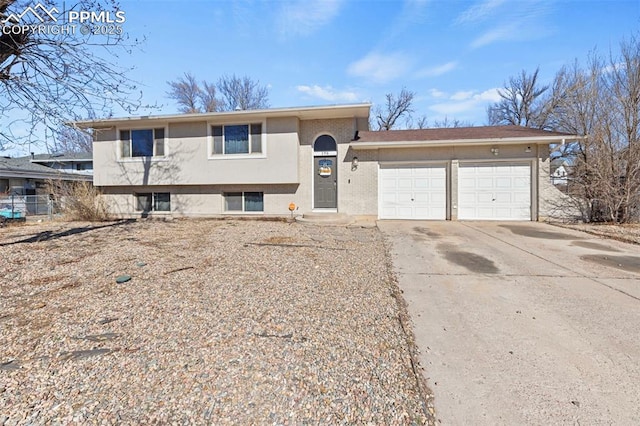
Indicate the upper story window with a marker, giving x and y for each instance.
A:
(142, 143)
(237, 139)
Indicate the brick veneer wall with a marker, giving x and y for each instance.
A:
(357, 189)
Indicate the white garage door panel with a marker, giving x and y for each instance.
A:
(494, 191)
(413, 192)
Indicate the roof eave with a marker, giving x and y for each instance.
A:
(12, 173)
(62, 161)
(447, 142)
(328, 111)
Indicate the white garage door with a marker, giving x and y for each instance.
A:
(412, 192)
(494, 191)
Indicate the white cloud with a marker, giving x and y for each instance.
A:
(519, 21)
(450, 108)
(611, 68)
(462, 95)
(412, 13)
(437, 93)
(437, 70)
(479, 11)
(491, 95)
(466, 102)
(501, 33)
(328, 93)
(380, 68)
(306, 16)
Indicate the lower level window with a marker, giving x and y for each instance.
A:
(153, 202)
(244, 201)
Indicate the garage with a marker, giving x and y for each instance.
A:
(412, 192)
(494, 191)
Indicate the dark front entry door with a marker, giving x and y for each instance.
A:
(324, 183)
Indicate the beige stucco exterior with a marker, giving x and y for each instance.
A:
(197, 179)
(187, 158)
(284, 170)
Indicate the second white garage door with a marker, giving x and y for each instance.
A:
(491, 191)
(413, 192)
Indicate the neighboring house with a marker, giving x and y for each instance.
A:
(324, 159)
(76, 163)
(560, 171)
(23, 176)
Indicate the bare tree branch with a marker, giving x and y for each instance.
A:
(394, 108)
(520, 103)
(242, 93)
(49, 78)
(422, 122)
(447, 123)
(186, 92)
(236, 93)
(208, 98)
(70, 140)
(603, 101)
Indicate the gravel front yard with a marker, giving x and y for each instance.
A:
(243, 322)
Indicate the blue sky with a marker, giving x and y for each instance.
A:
(453, 54)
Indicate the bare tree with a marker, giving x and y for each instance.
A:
(603, 102)
(208, 97)
(421, 122)
(51, 77)
(187, 93)
(447, 123)
(71, 140)
(577, 96)
(394, 108)
(236, 93)
(521, 103)
(624, 87)
(242, 93)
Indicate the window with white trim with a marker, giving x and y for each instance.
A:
(236, 139)
(244, 201)
(142, 143)
(153, 202)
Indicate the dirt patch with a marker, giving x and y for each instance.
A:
(48, 279)
(626, 263)
(532, 232)
(594, 246)
(279, 240)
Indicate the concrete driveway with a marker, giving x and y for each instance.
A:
(522, 323)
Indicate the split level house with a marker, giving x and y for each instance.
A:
(320, 159)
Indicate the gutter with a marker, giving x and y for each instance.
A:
(461, 142)
(35, 175)
(327, 111)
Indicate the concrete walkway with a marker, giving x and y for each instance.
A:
(522, 323)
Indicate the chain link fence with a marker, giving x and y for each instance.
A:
(21, 206)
